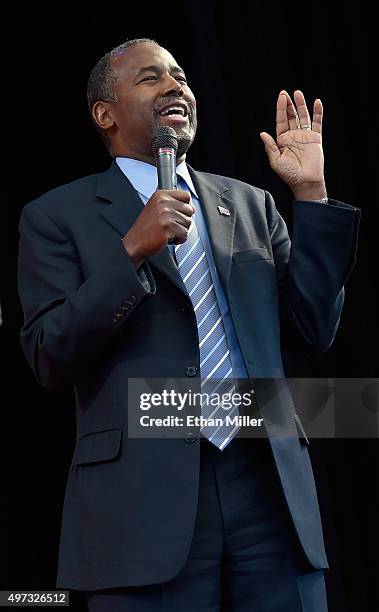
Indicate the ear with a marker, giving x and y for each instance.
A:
(103, 115)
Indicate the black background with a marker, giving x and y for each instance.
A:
(237, 59)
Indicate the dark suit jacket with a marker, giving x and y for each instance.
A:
(130, 504)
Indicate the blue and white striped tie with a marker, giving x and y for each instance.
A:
(215, 361)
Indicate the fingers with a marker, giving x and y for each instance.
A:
(317, 116)
(282, 124)
(179, 228)
(178, 194)
(271, 148)
(185, 209)
(290, 116)
(292, 113)
(183, 201)
(302, 109)
(182, 219)
(316, 124)
(179, 236)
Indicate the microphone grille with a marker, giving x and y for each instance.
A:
(164, 136)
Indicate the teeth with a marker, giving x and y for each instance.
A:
(178, 110)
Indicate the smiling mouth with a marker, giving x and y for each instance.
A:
(174, 110)
(174, 114)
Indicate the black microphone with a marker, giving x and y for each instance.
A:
(165, 146)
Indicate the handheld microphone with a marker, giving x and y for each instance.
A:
(165, 146)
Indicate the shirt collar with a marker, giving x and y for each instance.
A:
(143, 176)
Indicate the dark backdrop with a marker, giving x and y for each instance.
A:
(237, 60)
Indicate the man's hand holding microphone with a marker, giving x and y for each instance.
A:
(167, 215)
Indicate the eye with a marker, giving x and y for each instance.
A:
(149, 78)
(181, 78)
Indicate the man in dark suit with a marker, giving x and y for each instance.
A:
(120, 281)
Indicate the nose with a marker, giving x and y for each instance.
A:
(172, 86)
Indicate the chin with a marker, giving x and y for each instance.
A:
(185, 139)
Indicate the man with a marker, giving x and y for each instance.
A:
(193, 522)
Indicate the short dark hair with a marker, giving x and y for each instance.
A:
(102, 79)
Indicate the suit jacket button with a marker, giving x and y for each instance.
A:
(132, 300)
(190, 437)
(191, 370)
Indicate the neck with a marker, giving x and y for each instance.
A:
(144, 158)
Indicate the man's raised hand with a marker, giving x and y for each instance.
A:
(296, 155)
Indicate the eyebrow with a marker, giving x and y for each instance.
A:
(157, 70)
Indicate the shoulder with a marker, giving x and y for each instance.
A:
(64, 196)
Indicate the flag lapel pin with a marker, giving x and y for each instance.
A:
(223, 211)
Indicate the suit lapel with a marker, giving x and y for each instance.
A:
(220, 227)
(120, 205)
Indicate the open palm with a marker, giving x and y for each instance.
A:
(296, 155)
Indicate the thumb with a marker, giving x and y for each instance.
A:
(270, 147)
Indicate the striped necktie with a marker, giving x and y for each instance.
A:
(215, 363)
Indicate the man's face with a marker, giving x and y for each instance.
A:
(149, 82)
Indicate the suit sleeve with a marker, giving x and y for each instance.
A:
(69, 321)
(312, 271)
